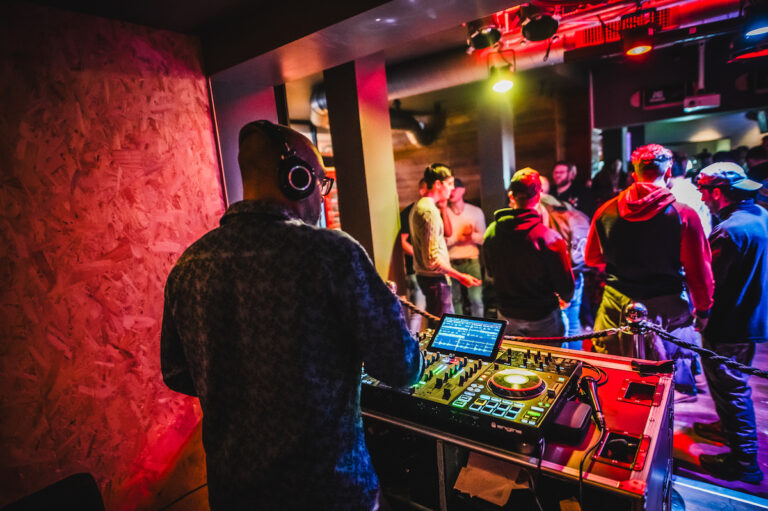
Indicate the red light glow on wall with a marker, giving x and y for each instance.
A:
(109, 173)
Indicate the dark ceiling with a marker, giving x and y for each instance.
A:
(245, 28)
(201, 17)
(186, 16)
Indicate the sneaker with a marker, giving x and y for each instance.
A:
(712, 431)
(728, 467)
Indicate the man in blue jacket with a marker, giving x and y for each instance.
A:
(738, 318)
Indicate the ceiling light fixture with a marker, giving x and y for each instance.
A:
(501, 74)
(637, 41)
(536, 24)
(637, 31)
(501, 78)
(481, 34)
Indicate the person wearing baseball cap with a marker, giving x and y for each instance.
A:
(738, 318)
(527, 264)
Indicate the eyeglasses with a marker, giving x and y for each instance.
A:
(325, 184)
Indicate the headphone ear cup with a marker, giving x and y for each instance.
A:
(295, 178)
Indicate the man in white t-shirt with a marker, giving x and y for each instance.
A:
(468, 228)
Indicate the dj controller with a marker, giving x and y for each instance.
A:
(513, 401)
(511, 393)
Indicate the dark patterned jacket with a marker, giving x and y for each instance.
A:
(267, 321)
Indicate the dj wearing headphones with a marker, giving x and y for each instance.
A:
(267, 321)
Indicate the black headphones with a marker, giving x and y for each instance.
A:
(295, 177)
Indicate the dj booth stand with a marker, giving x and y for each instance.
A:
(638, 409)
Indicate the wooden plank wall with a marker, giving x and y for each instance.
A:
(108, 172)
(456, 147)
(551, 123)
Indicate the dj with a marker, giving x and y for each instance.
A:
(268, 320)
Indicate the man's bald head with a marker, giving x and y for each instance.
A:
(260, 152)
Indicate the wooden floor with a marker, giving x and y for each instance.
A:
(688, 445)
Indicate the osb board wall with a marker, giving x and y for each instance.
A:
(108, 171)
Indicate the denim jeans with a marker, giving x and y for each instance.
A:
(474, 294)
(732, 395)
(550, 326)
(437, 292)
(416, 297)
(573, 324)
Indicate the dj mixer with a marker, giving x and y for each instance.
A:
(469, 384)
(514, 401)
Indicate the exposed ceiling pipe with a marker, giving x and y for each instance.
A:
(419, 132)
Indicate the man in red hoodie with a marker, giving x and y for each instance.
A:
(652, 248)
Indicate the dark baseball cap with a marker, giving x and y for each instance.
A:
(726, 174)
(525, 182)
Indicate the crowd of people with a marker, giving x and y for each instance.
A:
(691, 246)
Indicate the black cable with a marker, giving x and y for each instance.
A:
(190, 492)
(542, 447)
(588, 335)
(602, 26)
(603, 433)
(599, 371)
(533, 480)
(512, 64)
(705, 353)
(605, 26)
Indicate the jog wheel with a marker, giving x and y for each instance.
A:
(516, 384)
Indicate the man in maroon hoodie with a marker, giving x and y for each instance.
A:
(652, 248)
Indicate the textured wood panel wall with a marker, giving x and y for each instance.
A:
(551, 123)
(108, 171)
(456, 146)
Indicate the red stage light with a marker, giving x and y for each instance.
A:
(639, 50)
(637, 31)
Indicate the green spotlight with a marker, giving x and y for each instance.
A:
(501, 78)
